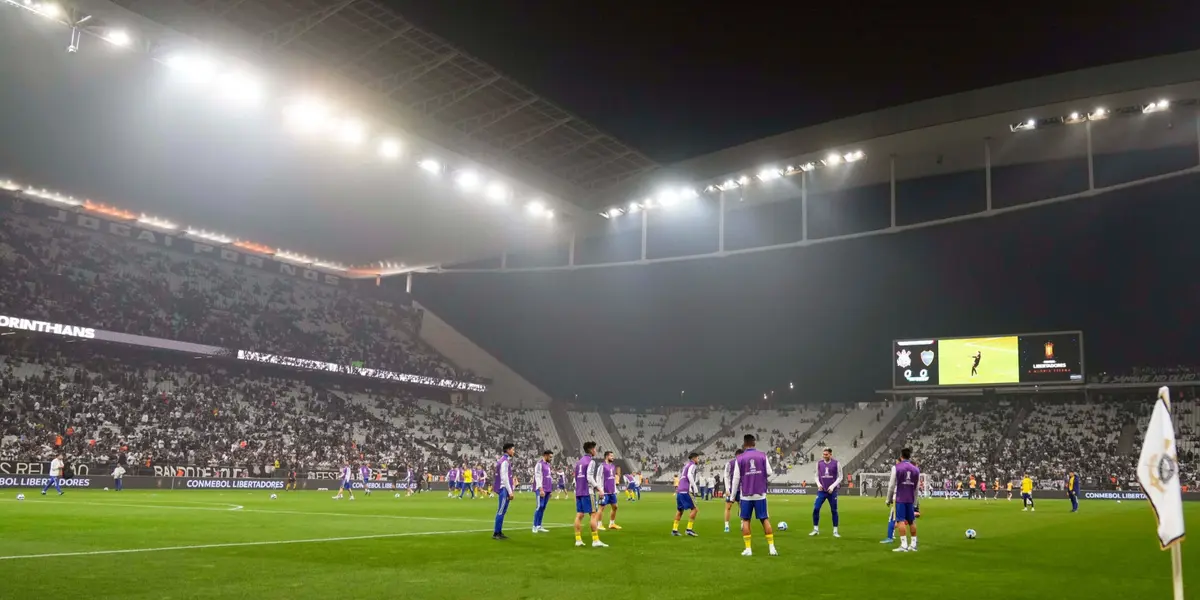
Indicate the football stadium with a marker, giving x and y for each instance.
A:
(303, 299)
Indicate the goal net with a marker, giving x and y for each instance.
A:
(875, 484)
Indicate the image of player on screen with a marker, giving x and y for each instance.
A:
(962, 361)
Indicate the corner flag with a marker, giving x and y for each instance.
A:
(1158, 474)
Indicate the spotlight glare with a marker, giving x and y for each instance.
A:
(536, 208)
(351, 132)
(688, 193)
(1074, 116)
(467, 180)
(119, 38)
(497, 192)
(241, 89)
(743, 180)
(49, 9)
(307, 115)
(195, 69)
(769, 173)
(389, 149)
(430, 165)
(833, 159)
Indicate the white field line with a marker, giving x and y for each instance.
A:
(240, 509)
(240, 544)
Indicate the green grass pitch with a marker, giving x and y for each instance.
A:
(240, 544)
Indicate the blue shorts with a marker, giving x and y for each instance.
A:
(754, 509)
(608, 499)
(683, 501)
(345, 485)
(736, 497)
(1026, 496)
(562, 486)
(583, 504)
(906, 512)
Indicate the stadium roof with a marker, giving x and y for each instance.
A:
(458, 99)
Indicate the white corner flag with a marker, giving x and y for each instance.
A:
(1158, 474)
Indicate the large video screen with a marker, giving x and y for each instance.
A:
(1040, 358)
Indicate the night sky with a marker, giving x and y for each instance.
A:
(678, 79)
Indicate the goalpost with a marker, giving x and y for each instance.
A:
(875, 484)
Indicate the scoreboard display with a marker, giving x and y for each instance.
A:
(1036, 358)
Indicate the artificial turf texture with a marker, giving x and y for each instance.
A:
(429, 546)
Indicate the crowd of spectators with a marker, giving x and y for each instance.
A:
(68, 275)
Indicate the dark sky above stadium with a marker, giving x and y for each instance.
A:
(680, 79)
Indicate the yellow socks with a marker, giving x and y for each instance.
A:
(690, 523)
(675, 526)
(746, 539)
(770, 539)
(595, 536)
(578, 538)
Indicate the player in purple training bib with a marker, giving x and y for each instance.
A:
(608, 481)
(587, 482)
(751, 471)
(730, 497)
(684, 493)
(829, 477)
(902, 490)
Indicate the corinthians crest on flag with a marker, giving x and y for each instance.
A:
(1158, 472)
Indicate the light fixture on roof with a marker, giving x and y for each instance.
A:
(1075, 117)
(1154, 107)
(159, 223)
(119, 37)
(688, 193)
(430, 165)
(48, 9)
(832, 159)
(497, 192)
(854, 156)
(1099, 113)
(240, 88)
(743, 180)
(769, 173)
(195, 69)
(209, 236)
(634, 207)
(1025, 125)
(726, 185)
(536, 208)
(467, 180)
(808, 166)
(389, 149)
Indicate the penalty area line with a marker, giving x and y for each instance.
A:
(241, 544)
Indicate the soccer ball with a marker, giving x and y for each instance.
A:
(397, 494)
(273, 496)
(20, 496)
(970, 534)
(783, 525)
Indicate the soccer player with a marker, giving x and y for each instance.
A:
(892, 522)
(587, 482)
(1073, 491)
(829, 477)
(975, 364)
(996, 489)
(118, 474)
(608, 480)
(291, 481)
(902, 492)
(562, 484)
(468, 482)
(504, 488)
(629, 487)
(684, 490)
(1027, 493)
(730, 495)
(637, 486)
(450, 484)
(411, 481)
(543, 485)
(347, 482)
(364, 471)
(1010, 490)
(56, 474)
(751, 471)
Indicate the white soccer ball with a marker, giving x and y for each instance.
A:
(20, 496)
(273, 496)
(971, 534)
(106, 489)
(783, 525)
(397, 494)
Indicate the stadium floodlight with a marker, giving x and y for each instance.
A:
(48, 9)
(536, 208)
(550, 215)
(728, 184)
(743, 180)
(1156, 106)
(292, 256)
(711, 188)
(119, 37)
(430, 165)
(666, 198)
(209, 236)
(159, 223)
(1099, 113)
(688, 193)
(833, 159)
(241, 89)
(328, 265)
(612, 213)
(195, 69)
(10, 185)
(1075, 117)
(854, 156)
(351, 132)
(634, 207)
(467, 180)
(497, 192)
(769, 173)
(389, 149)
(808, 166)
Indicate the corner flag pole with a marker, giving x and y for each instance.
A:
(1158, 475)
